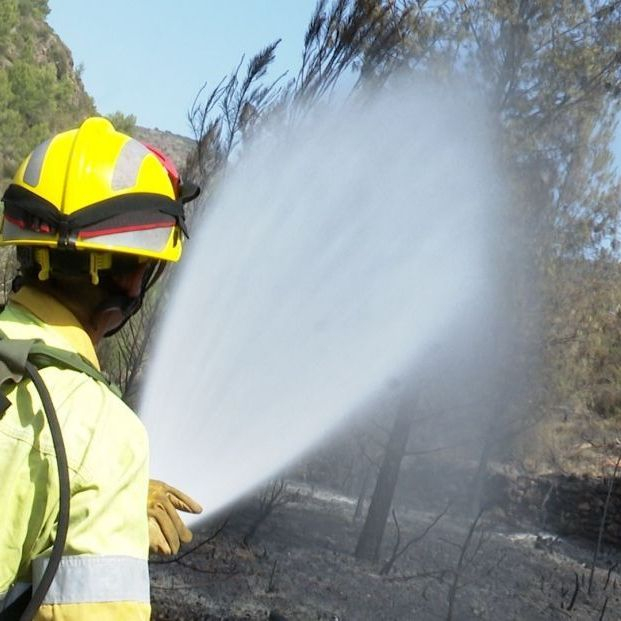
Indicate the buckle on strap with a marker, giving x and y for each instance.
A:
(13, 358)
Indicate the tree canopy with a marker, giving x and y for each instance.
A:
(551, 72)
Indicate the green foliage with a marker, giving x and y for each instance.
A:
(551, 72)
(40, 93)
(35, 9)
(9, 17)
(125, 123)
(34, 89)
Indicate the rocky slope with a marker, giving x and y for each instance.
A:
(178, 148)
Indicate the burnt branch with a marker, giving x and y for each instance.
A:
(460, 565)
(398, 552)
(220, 120)
(193, 549)
(274, 496)
(270, 584)
(602, 524)
(575, 593)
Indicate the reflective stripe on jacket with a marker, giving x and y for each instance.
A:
(104, 573)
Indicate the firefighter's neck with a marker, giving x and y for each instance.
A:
(96, 323)
(88, 303)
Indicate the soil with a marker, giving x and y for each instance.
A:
(299, 565)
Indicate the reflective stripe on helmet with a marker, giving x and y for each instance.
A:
(152, 239)
(90, 579)
(127, 165)
(12, 231)
(32, 174)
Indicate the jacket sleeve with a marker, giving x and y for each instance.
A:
(103, 575)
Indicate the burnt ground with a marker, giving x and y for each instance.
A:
(299, 565)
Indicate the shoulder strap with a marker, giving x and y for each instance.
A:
(14, 365)
(15, 352)
(42, 356)
(13, 358)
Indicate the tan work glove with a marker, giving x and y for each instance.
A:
(166, 530)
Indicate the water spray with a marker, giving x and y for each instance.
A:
(336, 253)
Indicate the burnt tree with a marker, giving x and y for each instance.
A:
(370, 540)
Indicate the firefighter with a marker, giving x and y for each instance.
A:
(95, 216)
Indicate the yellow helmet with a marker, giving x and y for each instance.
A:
(95, 189)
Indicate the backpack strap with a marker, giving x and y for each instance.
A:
(13, 357)
(15, 364)
(14, 353)
(43, 356)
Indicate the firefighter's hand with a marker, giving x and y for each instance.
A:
(166, 530)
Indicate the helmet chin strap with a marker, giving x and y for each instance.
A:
(129, 306)
(123, 303)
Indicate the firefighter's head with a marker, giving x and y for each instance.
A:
(95, 216)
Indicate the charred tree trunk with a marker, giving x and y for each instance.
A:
(363, 492)
(478, 483)
(370, 539)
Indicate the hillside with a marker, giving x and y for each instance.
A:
(178, 148)
(41, 91)
(40, 88)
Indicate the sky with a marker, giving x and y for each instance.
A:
(150, 57)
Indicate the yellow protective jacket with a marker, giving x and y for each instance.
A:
(104, 573)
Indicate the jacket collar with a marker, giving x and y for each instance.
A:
(53, 314)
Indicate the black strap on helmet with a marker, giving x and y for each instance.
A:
(140, 208)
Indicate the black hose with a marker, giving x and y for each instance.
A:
(64, 495)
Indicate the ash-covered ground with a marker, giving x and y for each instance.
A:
(299, 565)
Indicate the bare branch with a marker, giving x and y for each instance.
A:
(397, 553)
(602, 523)
(193, 549)
(274, 496)
(460, 565)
